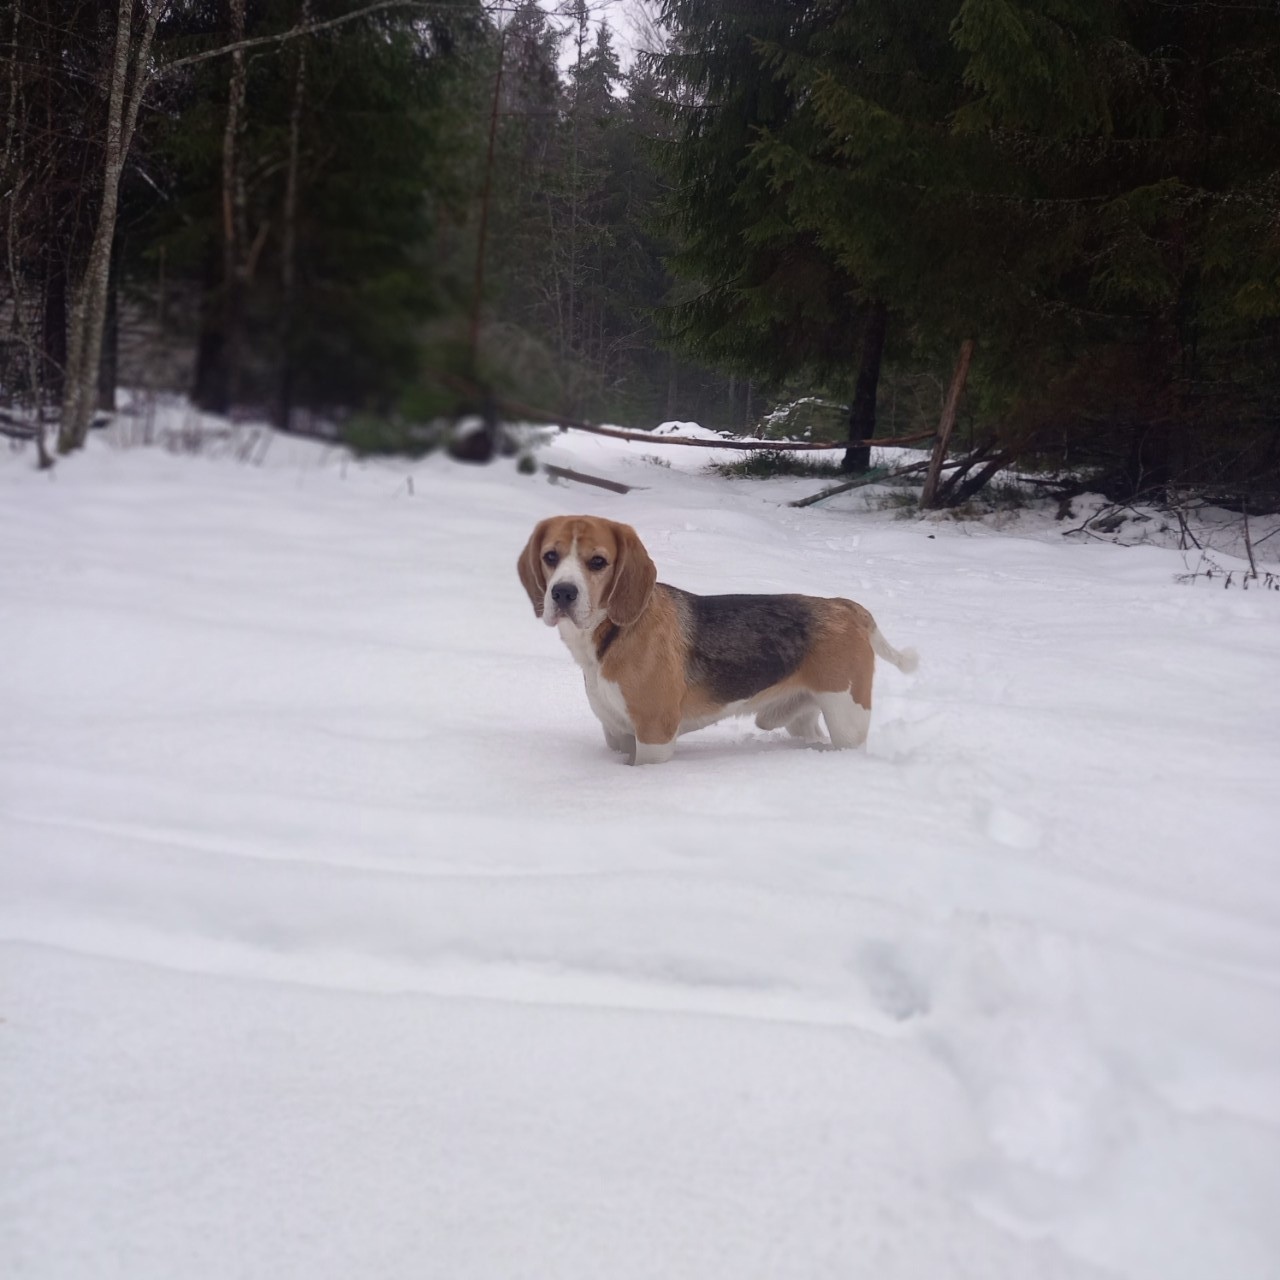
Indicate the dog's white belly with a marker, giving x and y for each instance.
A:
(691, 723)
(761, 704)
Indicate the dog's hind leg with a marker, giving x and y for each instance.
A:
(805, 725)
(847, 720)
(776, 714)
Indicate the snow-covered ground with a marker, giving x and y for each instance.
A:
(334, 943)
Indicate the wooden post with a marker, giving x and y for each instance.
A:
(929, 493)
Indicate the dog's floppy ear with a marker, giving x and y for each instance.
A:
(529, 566)
(633, 578)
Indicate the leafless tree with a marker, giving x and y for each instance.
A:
(130, 74)
(289, 228)
(128, 79)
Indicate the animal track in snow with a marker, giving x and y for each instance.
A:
(894, 990)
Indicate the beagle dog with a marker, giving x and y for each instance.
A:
(659, 662)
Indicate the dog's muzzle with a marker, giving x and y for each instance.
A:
(565, 601)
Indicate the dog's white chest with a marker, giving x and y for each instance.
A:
(604, 696)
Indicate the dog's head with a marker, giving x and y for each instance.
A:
(584, 569)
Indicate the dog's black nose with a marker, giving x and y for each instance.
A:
(564, 594)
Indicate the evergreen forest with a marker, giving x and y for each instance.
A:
(363, 217)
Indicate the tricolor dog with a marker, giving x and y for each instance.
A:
(659, 662)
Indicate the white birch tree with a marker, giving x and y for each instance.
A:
(130, 74)
(128, 78)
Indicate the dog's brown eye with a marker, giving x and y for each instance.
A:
(597, 563)
(551, 559)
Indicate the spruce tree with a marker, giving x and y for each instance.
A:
(376, 173)
(765, 297)
(1084, 188)
(1147, 138)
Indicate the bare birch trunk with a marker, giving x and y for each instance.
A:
(88, 310)
(109, 363)
(11, 167)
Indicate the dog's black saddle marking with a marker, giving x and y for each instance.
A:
(740, 645)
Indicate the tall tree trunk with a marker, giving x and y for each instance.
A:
(88, 311)
(289, 234)
(482, 232)
(11, 138)
(862, 409)
(233, 215)
(209, 386)
(109, 363)
(53, 323)
(569, 338)
(12, 166)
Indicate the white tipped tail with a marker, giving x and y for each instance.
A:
(906, 660)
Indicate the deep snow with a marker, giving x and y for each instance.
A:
(334, 942)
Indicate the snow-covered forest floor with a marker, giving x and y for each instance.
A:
(334, 942)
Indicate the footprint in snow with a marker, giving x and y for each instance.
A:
(894, 990)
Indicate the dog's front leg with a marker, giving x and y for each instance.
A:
(623, 742)
(656, 729)
(653, 752)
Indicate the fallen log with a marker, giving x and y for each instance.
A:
(565, 473)
(871, 477)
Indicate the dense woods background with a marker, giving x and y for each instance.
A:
(373, 215)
